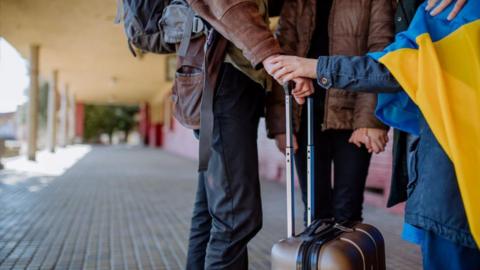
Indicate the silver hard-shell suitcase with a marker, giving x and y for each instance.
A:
(324, 244)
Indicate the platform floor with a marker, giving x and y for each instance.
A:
(128, 208)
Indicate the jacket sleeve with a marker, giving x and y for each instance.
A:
(242, 24)
(379, 36)
(286, 34)
(360, 74)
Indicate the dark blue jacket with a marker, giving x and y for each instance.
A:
(405, 12)
(434, 202)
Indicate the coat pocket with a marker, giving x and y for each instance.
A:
(188, 86)
(187, 96)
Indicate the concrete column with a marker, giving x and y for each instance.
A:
(52, 113)
(71, 118)
(64, 117)
(33, 103)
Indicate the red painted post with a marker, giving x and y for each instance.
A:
(159, 137)
(156, 135)
(144, 125)
(79, 120)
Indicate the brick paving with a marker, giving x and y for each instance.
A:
(129, 208)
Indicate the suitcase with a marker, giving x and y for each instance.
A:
(324, 244)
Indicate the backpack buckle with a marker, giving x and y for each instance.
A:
(198, 25)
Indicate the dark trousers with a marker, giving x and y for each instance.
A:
(342, 201)
(228, 211)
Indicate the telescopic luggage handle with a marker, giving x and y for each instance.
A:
(290, 161)
(310, 163)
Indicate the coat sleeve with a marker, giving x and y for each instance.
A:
(379, 36)
(242, 24)
(361, 74)
(286, 34)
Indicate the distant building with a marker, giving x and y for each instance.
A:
(8, 126)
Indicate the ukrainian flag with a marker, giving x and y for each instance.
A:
(437, 62)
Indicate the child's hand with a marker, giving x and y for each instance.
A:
(287, 68)
(378, 139)
(374, 139)
(359, 137)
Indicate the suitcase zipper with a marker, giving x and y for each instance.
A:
(304, 248)
(315, 246)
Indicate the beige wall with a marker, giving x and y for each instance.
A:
(79, 38)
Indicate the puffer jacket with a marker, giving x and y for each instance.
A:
(356, 27)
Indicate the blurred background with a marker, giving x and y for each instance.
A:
(96, 173)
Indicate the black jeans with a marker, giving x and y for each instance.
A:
(344, 200)
(228, 211)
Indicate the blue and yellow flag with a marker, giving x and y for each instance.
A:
(437, 62)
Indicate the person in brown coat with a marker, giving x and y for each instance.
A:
(345, 121)
(228, 211)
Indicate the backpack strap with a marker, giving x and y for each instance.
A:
(187, 33)
(215, 49)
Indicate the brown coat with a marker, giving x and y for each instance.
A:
(355, 28)
(239, 21)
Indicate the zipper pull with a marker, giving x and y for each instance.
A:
(210, 37)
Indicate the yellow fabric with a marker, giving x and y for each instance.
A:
(443, 79)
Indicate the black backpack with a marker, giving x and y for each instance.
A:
(142, 25)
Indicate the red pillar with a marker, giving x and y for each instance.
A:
(144, 125)
(79, 120)
(156, 135)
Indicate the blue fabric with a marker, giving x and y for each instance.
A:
(434, 202)
(365, 74)
(441, 254)
(397, 109)
(355, 73)
(413, 234)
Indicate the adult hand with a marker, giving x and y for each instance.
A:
(281, 142)
(287, 68)
(303, 86)
(268, 64)
(443, 4)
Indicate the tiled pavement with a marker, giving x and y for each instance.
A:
(129, 208)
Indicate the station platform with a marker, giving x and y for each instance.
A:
(121, 207)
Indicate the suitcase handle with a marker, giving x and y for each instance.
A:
(290, 161)
(310, 163)
(313, 228)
